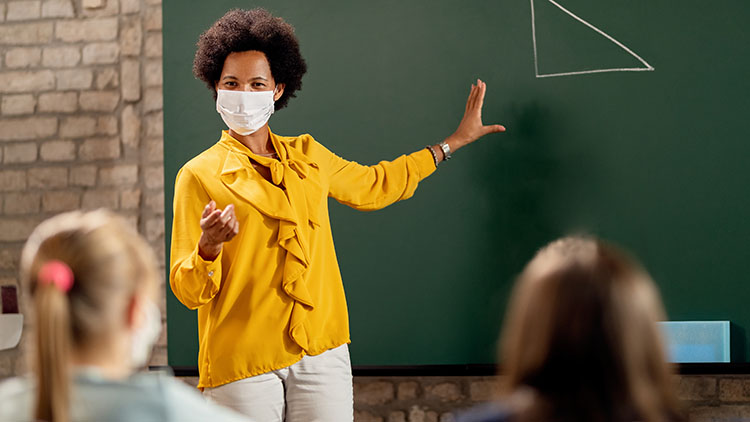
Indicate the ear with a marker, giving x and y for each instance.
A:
(279, 91)
(133, 316)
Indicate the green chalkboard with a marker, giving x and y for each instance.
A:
(655, 160)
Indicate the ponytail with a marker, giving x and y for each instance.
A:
(53, 342)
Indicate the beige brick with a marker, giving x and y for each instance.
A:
(152, 20)
(418, 414)
(58, 151)
(734, 390)
(131, 80)
(57, 9)
(130, 199)
(93, 4)
(130, 6)
(365, 416)
(696, 388)
(106, 125)
(123, 174)
(444, 392)
(20, 153)
(153, 99)
(484, 390)
(99, 149)
(101, 53)
(83, 176)
(154, 202)
(103, 198)
(153, 2)
(18, 129)
(155, 124)
(107, 78)
(24, 10)
(16, 229)
(152, 73)
(408, 390)
(131, 38)
(109, 8)
(153, 46)
(2, 12)
(447, 417)
(373, 393)
(74, 79)
(9, 259)
(154, 229)
(96, 29)
(154, 177)
(154, 150)
(131, 127)
(99, 100)
(27, 81)
(58, 102)
(22, 203)
(12, 180)
(59, 201)
(48, 177)
(26, 33)
(719, 413)
(18, 104)
(77, 127)
(23, 57)
(61, 56)
(397, 416)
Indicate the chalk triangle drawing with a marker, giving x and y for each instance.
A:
(646, 66)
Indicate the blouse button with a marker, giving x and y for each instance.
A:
(210, 273)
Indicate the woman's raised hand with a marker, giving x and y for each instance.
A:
(218, 227)
(471, 127)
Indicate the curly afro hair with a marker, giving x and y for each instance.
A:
(244, 30)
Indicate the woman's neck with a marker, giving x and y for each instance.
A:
(259, 141)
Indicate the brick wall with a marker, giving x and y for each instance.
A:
(80, 121)
(81, 127)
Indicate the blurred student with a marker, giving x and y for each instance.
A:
(93, 283)
(581, 341)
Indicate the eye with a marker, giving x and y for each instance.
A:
(258, 84)
(230, 84)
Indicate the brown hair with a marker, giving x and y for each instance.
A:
(110, 263)
(244, 30)
(581, 336)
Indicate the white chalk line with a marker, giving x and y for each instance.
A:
(600, 32)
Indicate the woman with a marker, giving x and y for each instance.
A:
(251, 244)
(581, 341)
(93, 281)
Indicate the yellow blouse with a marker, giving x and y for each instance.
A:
(274, 293)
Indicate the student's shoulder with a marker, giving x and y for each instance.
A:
(16, 396)
(185, 403)
(488, 412)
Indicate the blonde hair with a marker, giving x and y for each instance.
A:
(110, 262)
(581, 335)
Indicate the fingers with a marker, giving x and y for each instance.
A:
(208, 209)
(492, 129)
(479, 98)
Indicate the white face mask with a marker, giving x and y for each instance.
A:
(144, 337)
(245, 111)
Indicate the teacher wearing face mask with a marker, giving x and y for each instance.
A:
(252, 248)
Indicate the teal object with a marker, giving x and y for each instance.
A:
(655, 161)
(697, 341)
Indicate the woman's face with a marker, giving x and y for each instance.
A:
(248, 71)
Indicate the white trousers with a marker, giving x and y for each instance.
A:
(317, 388)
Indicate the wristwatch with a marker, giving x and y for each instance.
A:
(446, 150)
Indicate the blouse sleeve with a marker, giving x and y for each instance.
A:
(374, 187)
(194, 281)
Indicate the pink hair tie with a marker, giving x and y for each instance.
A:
(57, 273)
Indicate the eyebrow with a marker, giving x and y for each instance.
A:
(234, 77)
